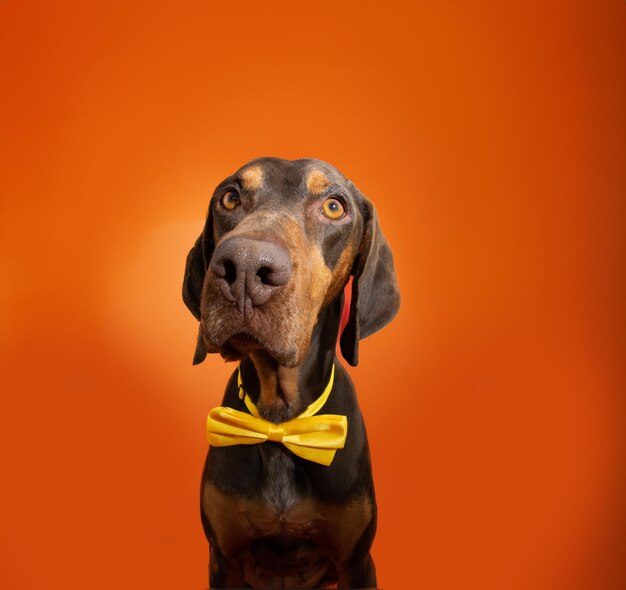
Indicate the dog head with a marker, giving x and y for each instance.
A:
(280, 242)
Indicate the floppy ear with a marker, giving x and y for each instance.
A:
(375, 294)
(195, 270)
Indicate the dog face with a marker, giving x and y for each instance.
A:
(280, 242)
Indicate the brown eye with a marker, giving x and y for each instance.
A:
(230, 200)
(333, 209)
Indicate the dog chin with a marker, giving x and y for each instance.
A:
(241, 344)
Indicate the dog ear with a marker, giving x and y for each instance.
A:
(375, 293)
(195, 271)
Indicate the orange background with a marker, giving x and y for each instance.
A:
(492, 138)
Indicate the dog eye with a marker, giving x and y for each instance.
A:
(230, 200)
(333, 208)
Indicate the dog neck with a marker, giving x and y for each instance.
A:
(281, 393)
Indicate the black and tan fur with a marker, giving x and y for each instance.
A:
(274, 520)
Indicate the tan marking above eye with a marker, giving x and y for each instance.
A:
(252, 178)
(317, 182)
(230, 200)
(333, 208)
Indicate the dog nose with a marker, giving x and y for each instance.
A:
(250, 271)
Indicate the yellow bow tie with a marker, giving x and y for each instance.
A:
(315, 438)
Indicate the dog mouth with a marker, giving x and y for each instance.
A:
(240, 345)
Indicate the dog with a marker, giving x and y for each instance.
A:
(287, 495)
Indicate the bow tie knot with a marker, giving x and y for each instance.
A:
(275, 432)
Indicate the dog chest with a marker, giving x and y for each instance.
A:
(239, 521)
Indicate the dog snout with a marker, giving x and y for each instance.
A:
(250, 271)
